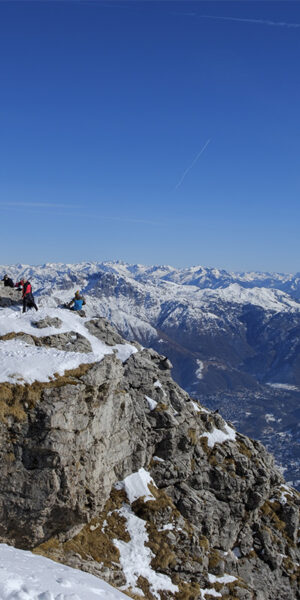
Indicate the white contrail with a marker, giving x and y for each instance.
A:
(192, 164)
(257, 21)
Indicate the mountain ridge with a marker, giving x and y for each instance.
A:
(112, 468)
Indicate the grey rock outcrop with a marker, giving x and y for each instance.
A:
(9, 296)
(48, 322)
(102, 330)
(66, 443)
(72, 341)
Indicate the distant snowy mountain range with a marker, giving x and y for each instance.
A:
(198, 276)
(233, 338)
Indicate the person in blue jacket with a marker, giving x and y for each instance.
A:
(77, 302)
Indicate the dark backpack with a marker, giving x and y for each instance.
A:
(30, 300)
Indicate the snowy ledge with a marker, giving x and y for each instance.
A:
(23, 363)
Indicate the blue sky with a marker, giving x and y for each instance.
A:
(151, 132)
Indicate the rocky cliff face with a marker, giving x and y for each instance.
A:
(112, 468)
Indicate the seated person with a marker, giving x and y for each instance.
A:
(8, 282)
(77, 302)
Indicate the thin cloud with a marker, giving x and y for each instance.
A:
(128, 220)
(34, 205)
(72, 212)
(243, 20)
(191, 165)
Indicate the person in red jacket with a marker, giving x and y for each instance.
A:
(27, 295)
(19, 285)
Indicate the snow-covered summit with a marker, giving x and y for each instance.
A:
(268, 299)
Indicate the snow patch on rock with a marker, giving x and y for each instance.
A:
(217, 436)
(136, 486)
(135, 558)
(151, 403)
(199, 370)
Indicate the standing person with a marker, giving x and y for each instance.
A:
(27, 295)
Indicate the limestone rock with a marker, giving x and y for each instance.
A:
(102, 330)
(9, 296)
(70, 341)
(48, 322)
(221, 518)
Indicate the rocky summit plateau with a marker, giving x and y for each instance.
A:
(109, 466)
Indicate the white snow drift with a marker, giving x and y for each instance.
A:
(26, 576)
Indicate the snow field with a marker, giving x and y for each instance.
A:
(26, 576)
